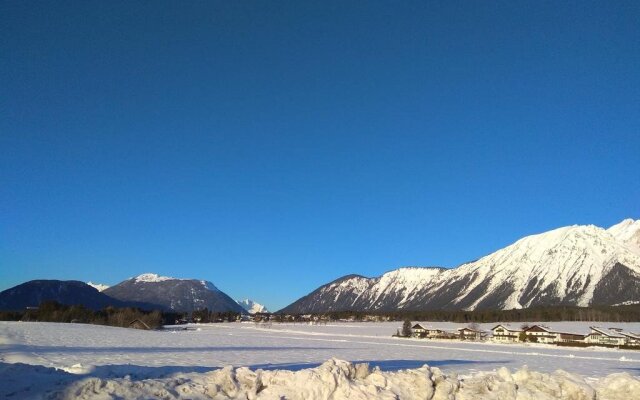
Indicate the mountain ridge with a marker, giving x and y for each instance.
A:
(34, 292)
(146, 291)
(574, 265)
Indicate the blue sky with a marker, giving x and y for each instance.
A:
(270, 147)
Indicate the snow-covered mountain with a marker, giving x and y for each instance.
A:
(98, 286)
(184, 295)
(627, 232)
(252, 307)
(574, 265)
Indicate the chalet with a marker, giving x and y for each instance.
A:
(440, 334)
(471, 334)
(540, 334)
(418, 331)
(505, 333)
(605, 336)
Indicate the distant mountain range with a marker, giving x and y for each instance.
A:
(574, 265)
(252, 307)
(147, 291)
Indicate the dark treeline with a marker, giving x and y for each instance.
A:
(51, 311)
(630, 313)
(206, 316)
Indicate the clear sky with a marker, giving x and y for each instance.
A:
(271, 147)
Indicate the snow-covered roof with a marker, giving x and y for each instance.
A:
(607, 332)
(466, 328)
(630, 335)
(543, 327)
(506, 327)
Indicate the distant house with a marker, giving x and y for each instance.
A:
(632, 339)
(605, 336)
(505, 333)
(541, 333)
(440, 334)
(564, 337)
(137, 324)
(544, 334)
(471, 334)
(418, 331)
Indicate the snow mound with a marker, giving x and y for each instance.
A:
(149, 277)
(337, 379)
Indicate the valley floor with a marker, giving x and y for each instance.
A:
(42, 360)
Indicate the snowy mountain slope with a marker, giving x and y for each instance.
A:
(252, 307)
(98, 286)
(627, 232)
(184, 295)
(574, 265)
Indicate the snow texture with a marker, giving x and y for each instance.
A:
(98, 286)
(627, 232)
(64, 361)
(338, 379)
(150, 277)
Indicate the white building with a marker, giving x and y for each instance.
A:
(418, 331)
(505, 333)
(632, 339)
(605, 336)
(471, 334)
(544, 334)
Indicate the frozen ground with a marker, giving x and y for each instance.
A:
(69, 353)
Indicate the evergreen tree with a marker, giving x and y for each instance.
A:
(406, 328)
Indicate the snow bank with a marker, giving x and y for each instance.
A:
(336, 379)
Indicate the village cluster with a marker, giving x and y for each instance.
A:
(504, 333)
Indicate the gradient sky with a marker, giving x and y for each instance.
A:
(270, 147)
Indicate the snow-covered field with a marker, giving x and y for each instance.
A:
(150, 363)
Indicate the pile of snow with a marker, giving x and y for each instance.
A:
(337, 379)
(252, 307)
(99, 286)
(150, 277)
